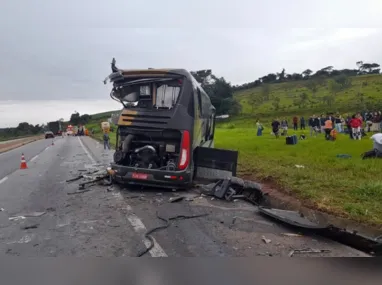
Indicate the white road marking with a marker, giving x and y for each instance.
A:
(136, 223)
(4, 179)
(86, 151)
(47, 147)
(139, 227)
(33, 158)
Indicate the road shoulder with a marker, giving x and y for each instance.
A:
(4, 147)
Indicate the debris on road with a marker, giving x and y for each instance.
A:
(176, 199)
(34, 214)
(97, 174)
(308, 250)
(293, 218)
(234, 188)
(27, 215)
(266, 240)
(33, 226)
(16, 218)
(2, 210)
(167, 221)
(75, 179)
(291, 235)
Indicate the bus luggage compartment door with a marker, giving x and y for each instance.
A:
(215, 164)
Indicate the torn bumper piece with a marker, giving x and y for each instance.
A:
(292, 218)
(353, 239)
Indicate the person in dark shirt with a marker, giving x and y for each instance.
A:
(295, 123)
(338, 123)
(314, 125)
(348, 119)
(322, 120)
(276, 127)
(302, 123)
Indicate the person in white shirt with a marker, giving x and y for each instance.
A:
(377, 143)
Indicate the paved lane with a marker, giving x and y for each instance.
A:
(89, 224)
(10, 160)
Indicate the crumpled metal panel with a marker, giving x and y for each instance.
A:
(291, 217)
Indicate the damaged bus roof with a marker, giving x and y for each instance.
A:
(122, 74)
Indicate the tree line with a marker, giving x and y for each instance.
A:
(23, 129)
(219, 90)
(320, 75)
(77, 119)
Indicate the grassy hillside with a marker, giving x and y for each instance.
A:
(346, 100)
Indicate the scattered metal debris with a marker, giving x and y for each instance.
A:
(167, 221)
(234, 188)
(33, 214)
(16, 218)
(291, 217)
(266, 240)
(75, 179)
(176, 199)
(33, 226)
(308, 250)
(291, 235)
(97, 174)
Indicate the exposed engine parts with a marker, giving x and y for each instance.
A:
(141, 151)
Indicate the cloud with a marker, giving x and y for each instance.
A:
(324, 38)
(41, 112)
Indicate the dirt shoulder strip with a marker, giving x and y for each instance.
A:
(15, 144)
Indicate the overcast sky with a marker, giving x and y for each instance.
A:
(55, 54)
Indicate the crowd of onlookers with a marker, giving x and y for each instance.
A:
(331, 124)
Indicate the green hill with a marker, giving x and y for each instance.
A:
(306, 97)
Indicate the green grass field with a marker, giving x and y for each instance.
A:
(350, 188)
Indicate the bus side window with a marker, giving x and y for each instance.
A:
(199, 102)
(212, 128)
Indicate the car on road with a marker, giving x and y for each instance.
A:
(49, 135)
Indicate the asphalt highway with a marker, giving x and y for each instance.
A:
(39, 218)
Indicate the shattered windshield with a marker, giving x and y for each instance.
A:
(160, 94)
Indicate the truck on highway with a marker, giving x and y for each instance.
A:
(55, 127)
(165, 134)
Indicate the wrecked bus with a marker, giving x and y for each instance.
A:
(165, 129)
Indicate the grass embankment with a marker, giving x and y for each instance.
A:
(349, 188)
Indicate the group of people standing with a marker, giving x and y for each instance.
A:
(330, 124)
